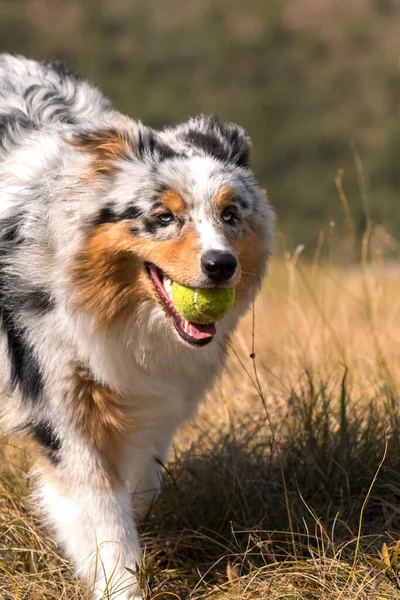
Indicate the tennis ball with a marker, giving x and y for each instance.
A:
(202, 306)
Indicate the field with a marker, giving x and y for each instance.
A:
(287, 485)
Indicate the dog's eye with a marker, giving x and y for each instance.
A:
(229, 216)
(166, 218)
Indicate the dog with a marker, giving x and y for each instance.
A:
(99, 214)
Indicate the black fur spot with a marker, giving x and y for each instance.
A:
(62, 106)
(25, 371)
(17, 296)
(209, 143)
(10, 228)
(150, 226)
(148, 144)
(131, 212)
(108, 215)
(243, 203)
(44, 433)
(34, 300)
(58, 66)
(30, 90)
(145, 144)
(166, 153)
(156, 203)
(12, 122)
(225, 141)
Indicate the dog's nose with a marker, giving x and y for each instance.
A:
(218, 265)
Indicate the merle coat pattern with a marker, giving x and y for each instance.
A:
(99, 214)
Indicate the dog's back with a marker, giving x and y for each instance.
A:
(34, 95)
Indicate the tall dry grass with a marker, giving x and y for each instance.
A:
(287, 485)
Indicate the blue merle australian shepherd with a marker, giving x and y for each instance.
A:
(98, 215)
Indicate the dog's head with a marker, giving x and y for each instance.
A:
(175, 205)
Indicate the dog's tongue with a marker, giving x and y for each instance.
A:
(201, 332)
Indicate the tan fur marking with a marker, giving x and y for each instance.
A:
(107, 147)
(173, 201)
(109, 276)
(224, 198)
(103, 418)
(250, 253)
(101, 412)
(179, 257)
(48, 470)
(106, 479)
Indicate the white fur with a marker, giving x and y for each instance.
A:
(98, 534)
(210, 236)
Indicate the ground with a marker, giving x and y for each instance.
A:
(287, 484)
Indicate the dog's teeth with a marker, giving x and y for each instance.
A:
(168, 285)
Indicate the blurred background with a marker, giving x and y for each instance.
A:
(315, 82)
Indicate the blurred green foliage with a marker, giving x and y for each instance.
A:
(315, 83)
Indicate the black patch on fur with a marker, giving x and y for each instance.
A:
(10, 227)
(149, 144)
(131, 212)
(45, 435)
(225, 141)
(12, 122)
(31, 89)
(108, 215)
(25, 371)
(35, 300)
(166, 153)
(150, 226)
(209, 143)
(16, 297)
(243, 203)
(59, 67)
(62, 113)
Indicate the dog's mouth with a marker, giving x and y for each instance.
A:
(192, 333)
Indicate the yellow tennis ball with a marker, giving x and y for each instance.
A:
(202, 306)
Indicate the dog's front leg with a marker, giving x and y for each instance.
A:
(146, 453)
(92, 518)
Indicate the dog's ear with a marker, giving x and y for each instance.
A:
(120, 140)
(225, 141)
(107, 146)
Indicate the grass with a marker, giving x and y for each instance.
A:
(287, 485)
